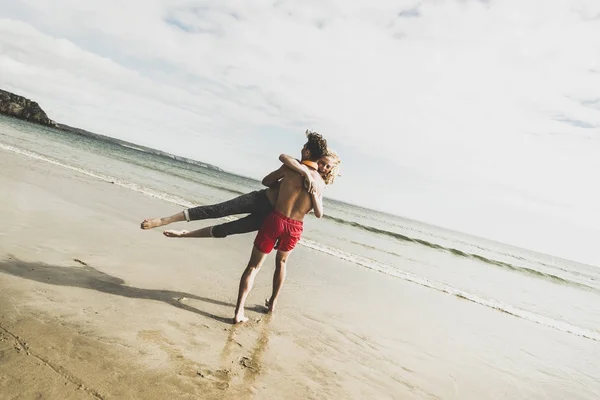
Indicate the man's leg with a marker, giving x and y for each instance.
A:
(278, 278)
(246, 282)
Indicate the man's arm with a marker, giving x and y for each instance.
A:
(273, 178)
(303, 170)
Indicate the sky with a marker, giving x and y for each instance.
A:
(479, 116)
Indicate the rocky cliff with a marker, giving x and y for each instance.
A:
(22, 108)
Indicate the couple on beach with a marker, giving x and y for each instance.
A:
(277, 213)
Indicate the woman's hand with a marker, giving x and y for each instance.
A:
(310, 184)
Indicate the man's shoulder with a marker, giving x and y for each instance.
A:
(287, 171)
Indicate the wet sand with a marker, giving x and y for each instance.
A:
(93, 307)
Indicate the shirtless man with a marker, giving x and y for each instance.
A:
(284, 223)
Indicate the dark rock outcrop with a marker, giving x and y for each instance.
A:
(22, 108)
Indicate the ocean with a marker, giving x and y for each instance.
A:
(561, 294)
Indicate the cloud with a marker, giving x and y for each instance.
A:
(577, 123)
(410, 13)
(490, 105)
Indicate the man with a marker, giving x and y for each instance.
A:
(284, 223)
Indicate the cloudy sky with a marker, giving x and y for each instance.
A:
(482, 116)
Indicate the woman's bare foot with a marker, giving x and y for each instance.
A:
(152, 223)
(172, 233)
(239, 318)
(270, 306)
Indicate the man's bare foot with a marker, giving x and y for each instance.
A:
(270, 306)
(172, 233)
(151, 223)
(238, 319)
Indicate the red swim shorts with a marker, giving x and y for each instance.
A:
(277, 226)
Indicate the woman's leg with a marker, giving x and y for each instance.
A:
(244, 204)
(247, 224)
(153, 223)
(199, 233)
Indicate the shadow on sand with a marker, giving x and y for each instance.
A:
(87, 277)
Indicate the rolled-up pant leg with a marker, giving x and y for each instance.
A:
(244, 204)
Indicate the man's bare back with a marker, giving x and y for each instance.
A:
(294, 201)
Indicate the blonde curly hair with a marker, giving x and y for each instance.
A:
(334, 172)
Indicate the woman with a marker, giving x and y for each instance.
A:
(258, 204)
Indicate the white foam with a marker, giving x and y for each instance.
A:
(132, 147)
(350, 257)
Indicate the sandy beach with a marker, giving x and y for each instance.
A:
(93, 307)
